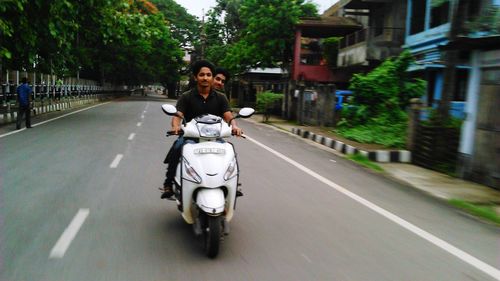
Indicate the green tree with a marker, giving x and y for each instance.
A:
(266, 101)
(331, 50)
(222, 29)
(118, 41)
(377, 114)
(185, 27)
(268, 32)
(387, 88)
(7, 17)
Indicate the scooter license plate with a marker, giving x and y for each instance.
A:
(210, 150)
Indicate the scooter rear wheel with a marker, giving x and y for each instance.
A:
(212, 235)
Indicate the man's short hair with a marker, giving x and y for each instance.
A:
(223, 71)
(24, 80)
(202, 63)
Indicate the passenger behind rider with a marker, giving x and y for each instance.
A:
(221, 76)
(201, 99)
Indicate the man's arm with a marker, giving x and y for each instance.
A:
(227, 117)
(176, 122)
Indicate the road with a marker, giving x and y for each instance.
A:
(307, 214)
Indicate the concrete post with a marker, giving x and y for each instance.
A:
(300, 107)
(327, 104)
(413, 121)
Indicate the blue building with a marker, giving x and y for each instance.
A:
(427, 28)
(476, 98)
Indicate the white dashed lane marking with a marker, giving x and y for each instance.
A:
(69, 234)
(115, 162)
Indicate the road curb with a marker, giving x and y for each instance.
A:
(381, 156)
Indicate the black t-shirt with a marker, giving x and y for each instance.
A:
(192, 104)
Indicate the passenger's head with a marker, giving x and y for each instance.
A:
(221, 76)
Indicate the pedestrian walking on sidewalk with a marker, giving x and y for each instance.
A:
(23, 100)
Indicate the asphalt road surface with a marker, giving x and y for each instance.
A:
(79, 201)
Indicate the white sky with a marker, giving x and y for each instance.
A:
(195, 7)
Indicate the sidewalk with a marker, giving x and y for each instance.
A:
(435, 184)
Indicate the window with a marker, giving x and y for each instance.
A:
(439, 12)
(461, 79)
(417, 20)
(431, 85)
(490, 76)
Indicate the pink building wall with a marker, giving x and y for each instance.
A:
(316, 73)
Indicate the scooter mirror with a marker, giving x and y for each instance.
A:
(246, 112)
(169, 109)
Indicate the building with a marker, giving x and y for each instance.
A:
(477, 87)
(382, 35)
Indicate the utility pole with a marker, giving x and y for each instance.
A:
(458, 10)
(203, 35)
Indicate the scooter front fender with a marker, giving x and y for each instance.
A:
(211, 201)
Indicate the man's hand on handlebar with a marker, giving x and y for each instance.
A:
(176, 130)
(237, 131)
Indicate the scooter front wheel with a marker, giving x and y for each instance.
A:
(212, 235)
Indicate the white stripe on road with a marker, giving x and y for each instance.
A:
(131, 136)
(115, 162)
(139, 124)
(69, 234)
(142, 116)
(53, 119)
(484, 267)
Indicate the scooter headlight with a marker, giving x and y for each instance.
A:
(209, 130)
(232, 170)
(190, 174)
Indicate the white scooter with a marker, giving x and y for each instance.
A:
(207, 175)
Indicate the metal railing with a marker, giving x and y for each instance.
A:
(389, 34)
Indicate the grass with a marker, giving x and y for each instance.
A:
(393, 135)
(364, 161)
(483, 211)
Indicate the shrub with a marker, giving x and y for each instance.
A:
(266, 102)
(377, 114)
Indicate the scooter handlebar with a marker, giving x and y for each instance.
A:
(173, 133)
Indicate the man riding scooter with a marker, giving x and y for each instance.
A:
(202, 99)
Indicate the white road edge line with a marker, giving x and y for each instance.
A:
(307, 258)
(115, 162)
(131, 136)
(53, 119)
(462, 255)
(69, 234)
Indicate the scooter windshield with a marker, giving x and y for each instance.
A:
(208, 119)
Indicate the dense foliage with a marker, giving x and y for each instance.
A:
(254, 33)
(380, 98)
(487, 23)
(119, 41)
(331, 50)
(266, 101)
(185, 28)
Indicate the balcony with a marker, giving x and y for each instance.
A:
(370, 44)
